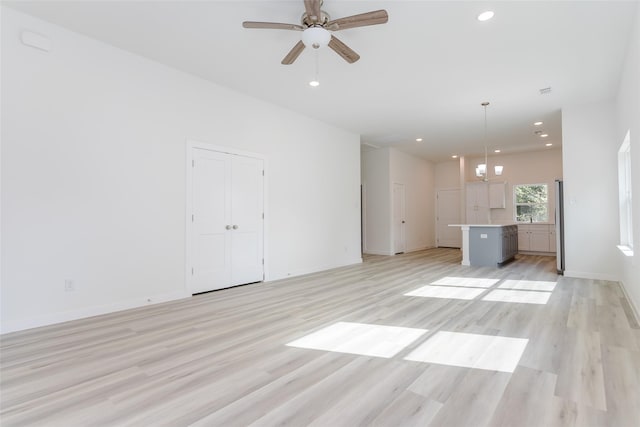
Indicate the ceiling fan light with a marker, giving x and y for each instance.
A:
(485, 16)
(314, 83)
(316, 37)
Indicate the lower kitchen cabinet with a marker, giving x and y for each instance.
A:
(536, 238)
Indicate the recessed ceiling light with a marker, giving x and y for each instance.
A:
(537, 123)
(314, 83)
(419, 139)
(455, 156)
(496, 151)
(485, 16)
(544, 135)
(548, 144)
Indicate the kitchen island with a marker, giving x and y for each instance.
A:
(488, 244)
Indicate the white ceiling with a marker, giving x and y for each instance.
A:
(423, 74)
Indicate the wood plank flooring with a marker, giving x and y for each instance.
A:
(222, 359)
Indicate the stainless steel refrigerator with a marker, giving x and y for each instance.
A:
(560, 226)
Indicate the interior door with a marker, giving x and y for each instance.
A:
(247, 220)
(227, 230)
(398, 218)
(448, 212)
(211, 238)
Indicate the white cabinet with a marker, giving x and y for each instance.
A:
(481, 198)
(477, 203)
(536, 238)
(497, 195)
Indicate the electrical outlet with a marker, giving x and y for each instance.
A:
(69, 285)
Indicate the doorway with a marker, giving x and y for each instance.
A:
(448, 212)
(225, 219)
(399, 244)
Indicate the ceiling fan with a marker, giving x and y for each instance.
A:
(316, 27)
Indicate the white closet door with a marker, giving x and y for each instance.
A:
(228, 223)
(448, 207)
(398, 218)
(246, 213)
(211, 240)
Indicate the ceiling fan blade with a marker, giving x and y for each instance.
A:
(272, 25)
(343, 50)
(313, 9)
(370, 18)
(293, 53)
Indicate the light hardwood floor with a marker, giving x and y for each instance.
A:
(222, 359)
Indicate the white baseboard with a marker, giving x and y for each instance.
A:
(314, 269)
(588, 275)
(51, 319)
(387, 253)
(632, 304)
(369, 252)
(420, 248)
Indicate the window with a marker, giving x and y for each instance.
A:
(624, 186)
(531, 202)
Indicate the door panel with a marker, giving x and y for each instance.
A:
(227, 226)
(211, 215)
(449, 213)
(247, 211)
(398, 218)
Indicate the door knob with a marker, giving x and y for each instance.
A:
(228, 227)
(235, 227)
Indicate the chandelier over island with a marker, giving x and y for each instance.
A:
(482, 168)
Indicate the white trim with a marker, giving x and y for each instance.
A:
(83, 313)
(374, 252)
(625, 199)
(317, 269)
(626, 250)
(634, 308)
(419, 248)
(189, 146)
(363, 216)
(588, 275)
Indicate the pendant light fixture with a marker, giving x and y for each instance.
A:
(482, 171)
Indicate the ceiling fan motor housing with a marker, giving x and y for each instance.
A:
(316, 37)
(322, 19)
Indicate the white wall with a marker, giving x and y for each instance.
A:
(447, 175)
(590, 166)
(628, 119)
(377, 199)
(418, 177)
(534, 167)
(93, 177)
(381, 169)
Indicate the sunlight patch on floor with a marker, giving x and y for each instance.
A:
(467, 282)
(525, 297)
(471, 351)
(360, 338)
(528, 285)
(450, 292)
